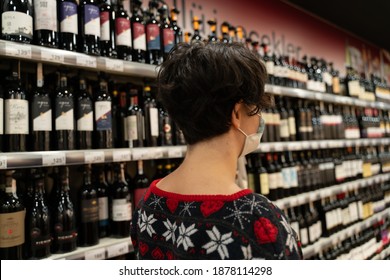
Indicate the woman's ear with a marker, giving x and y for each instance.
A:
(236, 115)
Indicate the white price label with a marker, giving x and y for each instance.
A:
(121, 156)
(323, 144)
(54, 159)
(114, 65)
(3, 162)
(156, 153)
(86, 61)
(52, 56)
(98, 254)
(117, 250)
(175, 152)
(140, 153)
(276, 90)
(17, 50)
(94, 157)
(314, 145)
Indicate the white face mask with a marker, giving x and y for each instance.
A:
(252, 141)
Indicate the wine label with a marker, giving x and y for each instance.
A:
(304, 236)
(103, 116)
(68, 17)
(84, 115)
(45, 15)
(269, 65)
(168, 40)
(103, 208)
(273, 181)
(62, 236)
(41, 114)
(12, 229)
(38, 240)
(91, 20)
(104, 26)
(132, 128)
(284, 128)
(139, 36)
(1, 116)
(153, 36)
(264, 184)
(64, 114)
(121, 210)
(122, 32)
(286, 180)
(336, 85)
(17, 23)
(89, 210)
(354, 88)
(153, 121)
(251, 182)
(327, 78)
(16, 116)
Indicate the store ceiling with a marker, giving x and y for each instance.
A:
(368, 19)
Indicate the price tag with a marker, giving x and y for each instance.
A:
(265, 147)
(156, 153)
(52, 56)
(122, 155)
(86, 61)
(114, 65)
(3, 162)
(117, 250)
(140, 153)
(314, 145)
(278, 147)
(276, 90)
(323, 144)
(18, 50)
(94, 157)
(54, 159)
(98, 254)
(175, 152)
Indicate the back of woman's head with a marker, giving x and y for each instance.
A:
(200, 83)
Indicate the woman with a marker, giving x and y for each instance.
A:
(215, 93)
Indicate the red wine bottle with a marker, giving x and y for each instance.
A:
(1, 117)
(68, 24)
(141, 183)
(134, 121)
(41, 115)
(123, 33)
(17, 21)
(178, 31)
(45, 23)
(167, 34)
(89, 27)
(151, 118)
(153, 43)
(107, 30)
(103, 117)
(138, 33)
(103, 198)
(84, 116)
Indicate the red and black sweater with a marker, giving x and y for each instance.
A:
(243, 225)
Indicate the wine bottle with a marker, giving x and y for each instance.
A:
(84, 116)
(103, 201)
(213, 30)
(41, 115)
(45, 23)
(141, 183)
(151, 118)
(12, 215)
(135, 121)
(153, 39)
(303, 230)
(120, 119)
(165, 128)
(103, 117)
(64, 217)
(273, 177)
(38, 237)
(138, 33)
(269, 64)
(123, 33)
(263, 177)
(176, 29)
(17, 21)
(1, 116)
(16, 122)
(89, 27)
(68, 19)
(64, 116)
(88, 233)
(167, 34)
(121, 204)
(107, 30)
(225, 33)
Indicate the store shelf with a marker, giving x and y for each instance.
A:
(327, 242)
(107, 248)
(74, 59)
(79, 157)
(303, 198)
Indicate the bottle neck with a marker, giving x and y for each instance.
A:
(87, 177)
(140, 167)
(10, 186)
(122, 176)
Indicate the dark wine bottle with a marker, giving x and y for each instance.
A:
(135, 121)
(107, 30)
(123, 33)
(41, 115)
(103, 117)
(68, 20)
(263, 176)
(141, 183)
(38, 236)
(64, 116)
(45, 23)
(12, 215)
(64, 217)
(153, 39)
(84, 116)
(17, 21)
(103, 199)
(196, 22)
(121, 204)
(167, 34)
(138, 33)
(165, 137)
(178, 31)
(213, 30)
(120, 119)
(88, 233)
(89, 27)
(1, 116)
(151, 118)
(16, 122)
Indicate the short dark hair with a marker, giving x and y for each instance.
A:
(200, 83)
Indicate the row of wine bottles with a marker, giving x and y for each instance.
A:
(295, 119)
(62, 118)
(35, 225)
(284, 174)
(325, 217)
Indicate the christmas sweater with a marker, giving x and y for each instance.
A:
(244, 225)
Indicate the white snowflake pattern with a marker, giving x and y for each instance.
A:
(146, 223)
(238, 214)
(254, 204)
(218, 242)
(247, 252)
(187, 208)
(156, 201)
(170, 233)
(290, 240)
(184, 236)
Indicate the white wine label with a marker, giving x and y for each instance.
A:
(139, 36)
(64, 115)
(327, 78)
(45, 15)
(91, 20)
(121, 210)
(269, 65)
(17, 23)
(132, 128)
(42, 114)
(264, 184)
(16, 116)
(122, 32)
(105, 26)
(85, 122)
(103, 116)
(103, 208)
(68, 17)
(1, 116)
(153, 121)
